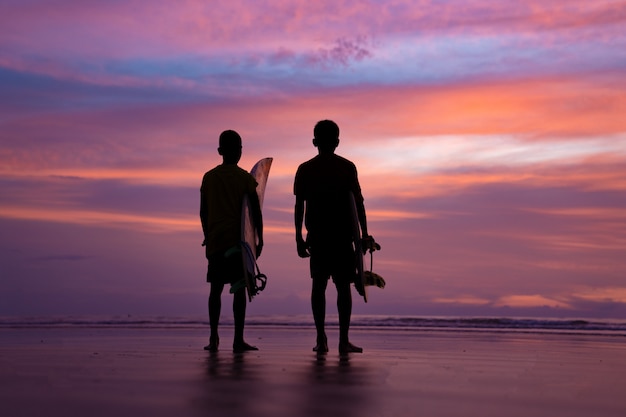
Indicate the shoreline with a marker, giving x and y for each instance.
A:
(571, 326)
(165, 372)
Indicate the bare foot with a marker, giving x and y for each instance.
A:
(347, 347)
(321, 347)
(213, 345)
(243, 347)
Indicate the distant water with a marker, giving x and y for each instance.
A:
(408, 323)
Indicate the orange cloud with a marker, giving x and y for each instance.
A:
(104, 219)
(383, 215)
(565, 106)
(144, 223)
(604, 213)
(602, 295)
(464, 299)
(530, 301)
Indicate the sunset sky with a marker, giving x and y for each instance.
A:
(489, 136)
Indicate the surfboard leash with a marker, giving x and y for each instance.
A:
(259, 280)
(371, 277)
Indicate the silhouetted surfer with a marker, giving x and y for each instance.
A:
(322, 187)
(221, 196)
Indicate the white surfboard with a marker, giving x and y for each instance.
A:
(359, 280)
(249, 239)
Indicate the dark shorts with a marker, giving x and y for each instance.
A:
(336, 261)
(225, 268)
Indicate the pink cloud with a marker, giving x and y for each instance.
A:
(535, 300)
(107, 146)
(118, 30)
(174, 142)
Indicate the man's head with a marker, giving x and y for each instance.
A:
(326, 135)
(230, 146)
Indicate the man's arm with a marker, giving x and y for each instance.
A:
(367, 241)
(257, 216)
(360, 211)
(303, 251)
(203, 215)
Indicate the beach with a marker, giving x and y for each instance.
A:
(135, 371)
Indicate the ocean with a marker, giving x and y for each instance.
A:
(605, 327)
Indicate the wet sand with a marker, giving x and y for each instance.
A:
(165, 372)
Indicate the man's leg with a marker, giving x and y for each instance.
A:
(344, 308)
(215, 309)
(239, 314)
(318, 305)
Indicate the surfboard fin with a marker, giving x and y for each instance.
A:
(373, 279)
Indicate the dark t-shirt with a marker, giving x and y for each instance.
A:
(325, 183)
(221, 195)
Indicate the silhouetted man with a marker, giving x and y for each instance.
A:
(322, 188)
(221, 197)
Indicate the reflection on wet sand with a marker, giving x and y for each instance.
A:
(340, 385)
(274, 384)
(77, 372)
(232, 385)
(227, 366)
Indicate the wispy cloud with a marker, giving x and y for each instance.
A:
(535, 300)
(489, 139)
